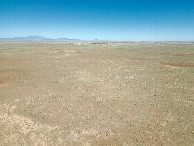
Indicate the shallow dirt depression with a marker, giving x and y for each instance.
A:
(96, 93)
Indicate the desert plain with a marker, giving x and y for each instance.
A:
(96, 93)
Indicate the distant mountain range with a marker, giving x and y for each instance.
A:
(37, 38)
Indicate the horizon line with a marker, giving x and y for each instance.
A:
(39, 38)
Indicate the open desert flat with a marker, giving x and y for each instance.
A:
(96, 93)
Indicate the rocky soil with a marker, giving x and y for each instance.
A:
(96, 93)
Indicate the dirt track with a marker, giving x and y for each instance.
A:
(92, 93)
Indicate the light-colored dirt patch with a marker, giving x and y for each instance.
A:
(192, 54)
(181, 65)
(19, 125)
(188, 54)
(132, 59)
(26, 124)
(139, 59)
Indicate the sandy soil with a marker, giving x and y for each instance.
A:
(92, 93)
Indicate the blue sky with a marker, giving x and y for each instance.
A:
(124, 20)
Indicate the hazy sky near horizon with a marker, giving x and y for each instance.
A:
(121, 20)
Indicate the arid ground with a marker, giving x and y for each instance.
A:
(96, 93)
